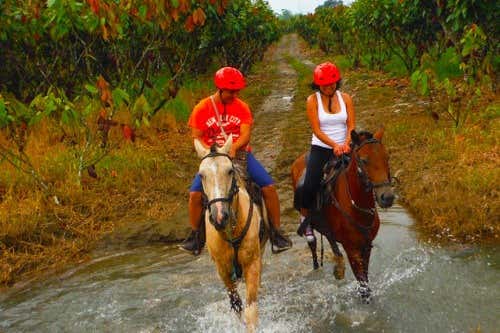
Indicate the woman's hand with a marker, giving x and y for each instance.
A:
(338, 150)
(346, 148)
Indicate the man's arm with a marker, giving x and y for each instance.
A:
(243, 140)
(198, 134)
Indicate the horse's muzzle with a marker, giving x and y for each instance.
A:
(219, 218)
(386, 199)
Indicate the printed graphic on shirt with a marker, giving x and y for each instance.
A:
(230, 124)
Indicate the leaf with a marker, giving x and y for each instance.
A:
(120, 96)
(141, 107)
(50, 3)
(91, 89)
(143, 10)
(199, 17)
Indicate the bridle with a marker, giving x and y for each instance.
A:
(363, 175)
(368, 186)
(235, 242)
(234, 186)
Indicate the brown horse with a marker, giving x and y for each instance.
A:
(232, 224)
(349, 215)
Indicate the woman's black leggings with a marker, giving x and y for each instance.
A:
(314, 174)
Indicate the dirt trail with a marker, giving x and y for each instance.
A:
(272, 120)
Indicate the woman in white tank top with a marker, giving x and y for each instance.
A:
(331, 115)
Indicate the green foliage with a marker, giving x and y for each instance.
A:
(178, 108)
(449, 48)
(240, 37)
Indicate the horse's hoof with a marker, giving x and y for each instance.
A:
(315, 265)
(365, 293)
(339, 273)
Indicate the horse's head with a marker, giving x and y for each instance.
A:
(219, 181)
(373, 165)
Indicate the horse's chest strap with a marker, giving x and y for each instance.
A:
(236, 242)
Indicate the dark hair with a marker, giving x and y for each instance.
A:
(314, 86)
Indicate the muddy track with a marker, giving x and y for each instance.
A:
(274, 118)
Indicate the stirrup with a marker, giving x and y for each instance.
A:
(193, 243)
(276, 237)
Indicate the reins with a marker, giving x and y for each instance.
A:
(369, 186)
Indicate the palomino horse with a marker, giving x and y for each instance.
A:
(348, 215)
(232, 223)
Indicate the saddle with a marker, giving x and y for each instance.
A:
(331, 170)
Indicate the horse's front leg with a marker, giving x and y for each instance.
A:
(252, 282)
(234, 297)
(232, 291)
(338, 259)
(359, 259)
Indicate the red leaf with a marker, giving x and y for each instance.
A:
(128, 133)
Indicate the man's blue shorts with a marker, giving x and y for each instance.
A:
(254, 168)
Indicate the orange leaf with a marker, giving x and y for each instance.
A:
(175, 14)
(94, 5)
(183, 6)
(105, 33)
(199, 17)
(189, 25)
(128, 133)
(220, 9)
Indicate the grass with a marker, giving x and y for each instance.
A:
(138, 184)
(139, 189)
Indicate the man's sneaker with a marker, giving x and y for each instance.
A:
(279, 242)
(310, 234)
(194, 243)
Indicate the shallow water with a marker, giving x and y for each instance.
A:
(416, 288)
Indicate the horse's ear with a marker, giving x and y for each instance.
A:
(379, 133)
(227, 146)
(355, 138)
(200, 148)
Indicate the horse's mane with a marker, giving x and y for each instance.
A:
(365, 134)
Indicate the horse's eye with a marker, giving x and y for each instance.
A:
(230, 172)
(364, 160)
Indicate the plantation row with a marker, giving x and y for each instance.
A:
(80, 63)
(449, 47)
(144, 47)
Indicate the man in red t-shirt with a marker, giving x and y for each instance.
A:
(213, 119)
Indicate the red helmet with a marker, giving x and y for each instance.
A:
(326, 74)
(229, 78)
